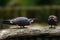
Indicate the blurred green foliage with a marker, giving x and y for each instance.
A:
(41, 13)
(30, 9)
(37, 2)
(3, 2)
(28, 3)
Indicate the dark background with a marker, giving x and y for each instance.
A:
(40, 9)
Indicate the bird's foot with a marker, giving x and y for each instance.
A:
(54, 27)
(22, 27)
(50, 27)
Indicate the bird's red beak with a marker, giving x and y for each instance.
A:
(35, 18)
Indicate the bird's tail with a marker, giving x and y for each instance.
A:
(6, 22)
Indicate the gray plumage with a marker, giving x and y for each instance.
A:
(21, 21)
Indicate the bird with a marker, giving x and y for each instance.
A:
(52, 20)
(20, 21)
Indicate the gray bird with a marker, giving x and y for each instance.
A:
(21, 21)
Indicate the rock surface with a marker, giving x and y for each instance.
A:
(29, 31)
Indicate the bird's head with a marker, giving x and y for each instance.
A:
(34, 18)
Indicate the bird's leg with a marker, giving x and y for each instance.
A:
(54, 26)
(51, 26)
(23, 26)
